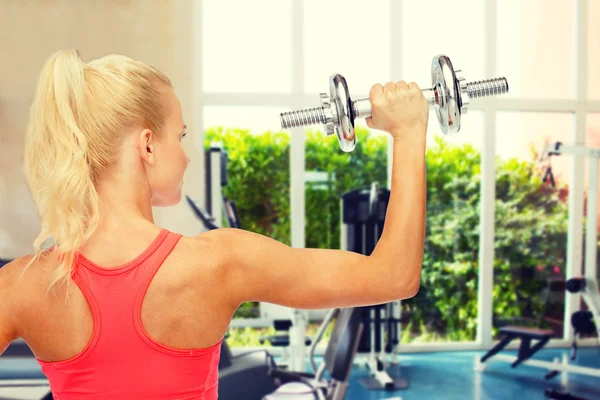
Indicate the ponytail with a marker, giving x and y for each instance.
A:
(75, 125)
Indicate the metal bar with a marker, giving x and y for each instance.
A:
(297, 183)
(488, 195)
(583, 151)
(591, 242)
(198, 102)
(24, 383)
(18, 348)
(552, 366)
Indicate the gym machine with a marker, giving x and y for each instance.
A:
(338, 361)
(582, 321)
(363, 217)
(449, 95)
(217, 204)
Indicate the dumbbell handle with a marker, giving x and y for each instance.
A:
(362, 107)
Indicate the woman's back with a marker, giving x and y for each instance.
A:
(182, 314)
(183, 308)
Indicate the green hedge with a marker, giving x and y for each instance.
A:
(530, 229)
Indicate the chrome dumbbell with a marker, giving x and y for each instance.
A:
(450, 95)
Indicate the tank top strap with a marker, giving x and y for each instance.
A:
(159, 255)
(154, 262)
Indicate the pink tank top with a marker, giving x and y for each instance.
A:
(121, 361)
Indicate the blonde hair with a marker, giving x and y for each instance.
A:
(75, 128)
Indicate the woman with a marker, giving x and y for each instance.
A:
(123, 309)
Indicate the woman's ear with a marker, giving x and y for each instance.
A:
(146, 146)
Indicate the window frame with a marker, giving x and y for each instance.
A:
(580, 107)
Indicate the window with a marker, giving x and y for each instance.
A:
(536, 46)
(531, 221)
(248, 70)
(242, 54)
(592, 140)
(342, 36)
(593, 50)
(451, 245)
(592, 133)
(445, 310)
(421, 39)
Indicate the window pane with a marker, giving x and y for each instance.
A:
(531, 221)
(330, 173)
(521, 134)
(592, 140)
(453, 193)
(421, 42)
(344, 36)
(446, 307)
(536, 47)
(593, 50)
(259, 181)
(244, 54)
(592, 133)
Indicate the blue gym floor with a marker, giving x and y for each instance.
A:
(451, 375)
(444, 375)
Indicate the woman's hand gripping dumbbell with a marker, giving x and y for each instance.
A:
(400, 109)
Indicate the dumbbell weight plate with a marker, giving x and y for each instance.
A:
(341, 103)
(447, 86)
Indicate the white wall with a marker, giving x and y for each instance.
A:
(159, 32)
